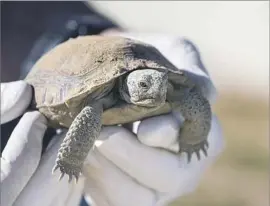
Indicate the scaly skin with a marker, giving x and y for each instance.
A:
(79, 139)
(194, 132)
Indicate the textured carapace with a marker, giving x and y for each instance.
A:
(89, 66)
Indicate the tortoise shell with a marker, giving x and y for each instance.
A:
(88, 66)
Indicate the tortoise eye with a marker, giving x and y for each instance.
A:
(143, 85)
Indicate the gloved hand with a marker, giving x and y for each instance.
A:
(26, 176)
(121, 170)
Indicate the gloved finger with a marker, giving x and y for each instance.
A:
(156, 168)
(160, 131)
(15, 98)
(21, 155)
(50, 190)
(109, 186)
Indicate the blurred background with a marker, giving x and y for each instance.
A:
(233, 39)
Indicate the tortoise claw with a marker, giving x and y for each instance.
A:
(198, 155)
(72, 172)
(76, 178)
(204, 149)
(69, 178)
(189, 155)
(189, 149)
(61, 176)
(55, 168)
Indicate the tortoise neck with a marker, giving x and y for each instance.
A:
(123, 90)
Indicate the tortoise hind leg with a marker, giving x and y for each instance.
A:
(78, 141)
(194, 132)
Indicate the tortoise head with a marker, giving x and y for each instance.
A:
(145, 87)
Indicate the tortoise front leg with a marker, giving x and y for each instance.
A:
(78, 141)
(194, 132)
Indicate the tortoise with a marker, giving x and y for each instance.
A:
(90, 81)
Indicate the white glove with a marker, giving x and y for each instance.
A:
(120, 170)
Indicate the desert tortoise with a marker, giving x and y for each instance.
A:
(91, 81)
